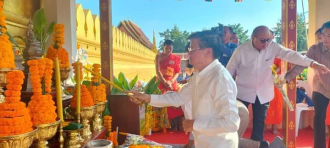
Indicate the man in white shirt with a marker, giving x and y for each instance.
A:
(212, 90)
(252, 62)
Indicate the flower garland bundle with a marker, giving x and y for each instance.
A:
(48, 75)
(14, 116)
(86, 98)
(107, 122)
(97, 90)
(57, 47)
(98, 93)
(41, 106)
(6, 50)
(96, 69)
(75, 71)
(113, 139)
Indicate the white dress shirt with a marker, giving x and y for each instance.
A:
(213, 95)
(254, 76)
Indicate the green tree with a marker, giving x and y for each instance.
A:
(301, 33)
(178, 37)
(241, 33)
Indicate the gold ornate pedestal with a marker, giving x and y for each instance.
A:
(18, 141)
(97, 121)
(86, 113)
(72, 138)
(45, 132)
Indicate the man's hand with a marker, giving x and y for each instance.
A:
(139, 97)
(320, 68)
(188, 125)
(168, 85)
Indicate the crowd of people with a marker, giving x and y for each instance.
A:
(227, 78)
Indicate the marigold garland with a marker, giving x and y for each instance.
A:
(113, 139)
(86, 98)
(97, 90)
(98, 93)
(41, 106)
(107, 122)
(75, 71)
(6, 50)
(57, 50)
(15, 118)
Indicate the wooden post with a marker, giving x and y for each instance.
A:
(106, 41)
(289, 40)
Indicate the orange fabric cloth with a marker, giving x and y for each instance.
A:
(275, 111)
(327, 118)
(169, 67)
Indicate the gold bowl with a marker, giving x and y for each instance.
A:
(45, 132)
(86, 113)
(18, 141)
(97, 121)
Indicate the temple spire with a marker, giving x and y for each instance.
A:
(154, 46)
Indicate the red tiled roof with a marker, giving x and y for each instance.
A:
(135, 32)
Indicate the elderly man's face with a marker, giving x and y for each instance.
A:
(261, 40)
(326, 37)
(168, 49)
(196, 53)
(234, 39)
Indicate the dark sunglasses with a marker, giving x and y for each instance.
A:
(265, 40)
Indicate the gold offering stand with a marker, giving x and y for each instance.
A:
(45, 132)
(18, 141)
(97, 121)
(86, 113)
(72, 139)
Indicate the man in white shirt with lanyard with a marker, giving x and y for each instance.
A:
(251, 61)
(212, 90)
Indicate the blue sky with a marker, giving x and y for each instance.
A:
(193, 15)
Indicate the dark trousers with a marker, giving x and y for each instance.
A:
(320, 106)
(259, 116)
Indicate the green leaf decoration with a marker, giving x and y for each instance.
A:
(115, 91)
(157, 91)
(151, 82)
(116, 81)
(106, 110)
(39, 21)
(152, 88)
(50, 29)
(87, 83)
(12, 40)
(123, 81)
(132, 83)
(21, 38)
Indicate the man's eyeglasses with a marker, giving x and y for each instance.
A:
(265, 40)
(193, 49)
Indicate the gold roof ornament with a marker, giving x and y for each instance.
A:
(154, 46)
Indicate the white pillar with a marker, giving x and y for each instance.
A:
(63, 12)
